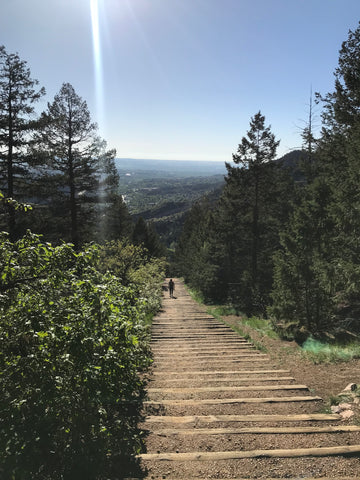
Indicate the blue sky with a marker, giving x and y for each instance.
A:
(180, 79)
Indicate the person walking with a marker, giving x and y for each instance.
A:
(171, 288)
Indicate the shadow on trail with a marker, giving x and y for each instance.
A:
(93, 454)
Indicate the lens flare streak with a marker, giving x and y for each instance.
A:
(98, 69)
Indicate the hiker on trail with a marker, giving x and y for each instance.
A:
(171, 288)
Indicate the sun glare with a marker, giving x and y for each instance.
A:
(98, 69)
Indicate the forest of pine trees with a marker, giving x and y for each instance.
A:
(57, 162)
(276, 243)
(279, 246)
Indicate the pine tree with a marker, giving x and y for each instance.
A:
(196, 253)
(18, 94)
(254, 205)
(317, 275)
(146, 236)
(342, 106)
(304, 276)
(78, 165)
(115, 221)
(339, 149)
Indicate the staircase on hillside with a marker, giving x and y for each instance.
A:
(218, 408)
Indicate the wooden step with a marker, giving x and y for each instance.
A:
(226, 401)
(250, 380)
(197, 356)
(220, 372)
(183, 333)
(210, 365)
(191, 327)
(252, 388)
(256, 430)
(235, 455)
(199, 350)
(177, 343)
(301, 417)
(174, 355)
(217, 357)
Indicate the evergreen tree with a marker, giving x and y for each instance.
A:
(254, 206)
(146, 236)
(115, 222)
(225, 250)
(18, 94)
(304, 276)
(308, 164)
(196, 252)
(339, 149)
(77, 166)
(342, 106)
(317, 275)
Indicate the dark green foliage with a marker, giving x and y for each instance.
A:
(116, 220)
(195, 255)
(317, 274)
(131, 263)
(57, 163)
(227, 254)
(80, 173)
(305, 277)
(73, 341)
(144, 234)
(255, 155)
(120, 257)
(18, 94)
(342, 106)
(226, 248)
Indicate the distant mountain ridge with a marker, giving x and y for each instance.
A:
(175, 168)
(190, 168)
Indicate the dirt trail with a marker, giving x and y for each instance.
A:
(219, 408)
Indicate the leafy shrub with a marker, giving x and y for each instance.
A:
(149, 280)
(134, 266)
(120, 258)
(73, 341)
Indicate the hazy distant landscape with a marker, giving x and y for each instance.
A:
(170, 168)
(163, 191)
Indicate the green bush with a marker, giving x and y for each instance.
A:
(73, 341)
(135, 267)
(149, 279)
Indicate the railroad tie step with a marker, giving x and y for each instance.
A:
(237, 455)
(168, 432)
(301, 417)
(252, 388)
(221, 372)
(227, 401)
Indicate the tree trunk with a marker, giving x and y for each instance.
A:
(10, 177)
(255, 235)
(73, 206)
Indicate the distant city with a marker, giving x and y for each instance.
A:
(182, 168)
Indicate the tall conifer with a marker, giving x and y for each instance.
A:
(18, 95)
(77, 165)
(317, 275)
(254, 206)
